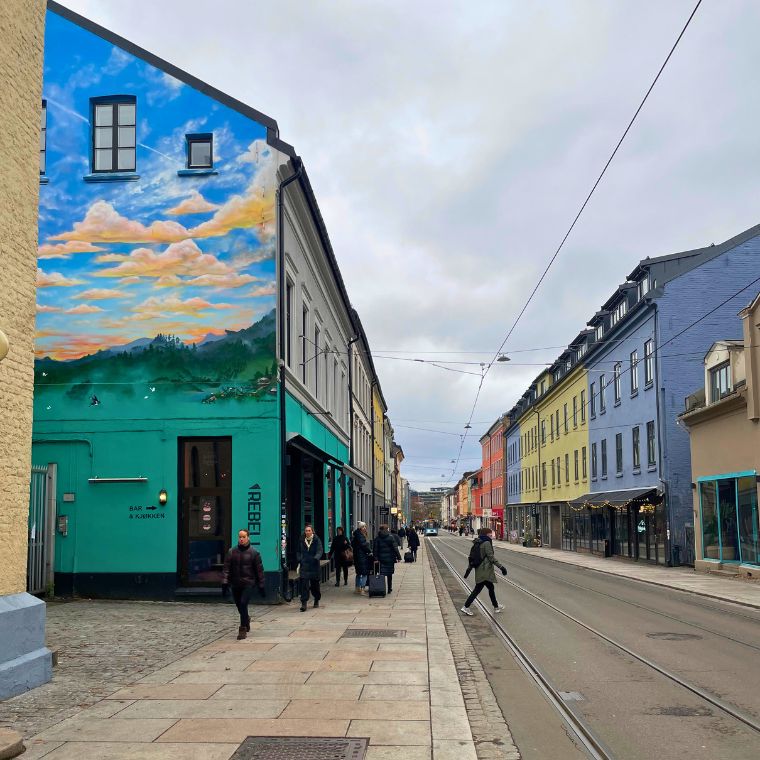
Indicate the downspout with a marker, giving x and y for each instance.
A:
(281, 362)
(660, 452)
(349, 347)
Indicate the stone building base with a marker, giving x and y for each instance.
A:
(25, 661)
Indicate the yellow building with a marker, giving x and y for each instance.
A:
(551, 460)
(24, 660)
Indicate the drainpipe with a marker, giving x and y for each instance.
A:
(660, 447)
(349, 348)
(281, 363)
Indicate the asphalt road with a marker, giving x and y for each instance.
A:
(634, 710)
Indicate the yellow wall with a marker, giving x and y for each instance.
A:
(21, 36)
(465, 508)
(529, 462)
(379, 428)
(572, 388)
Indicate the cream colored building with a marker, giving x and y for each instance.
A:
(24, 661)
(723, 420)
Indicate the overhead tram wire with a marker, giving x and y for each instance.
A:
(575, 220)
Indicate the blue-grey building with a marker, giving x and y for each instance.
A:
(644, 357)
(511, 472)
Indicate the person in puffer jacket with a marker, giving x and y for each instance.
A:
(243, 572)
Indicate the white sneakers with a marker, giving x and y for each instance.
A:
(467, 612)
(500, 608)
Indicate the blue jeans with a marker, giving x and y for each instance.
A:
(361, 581)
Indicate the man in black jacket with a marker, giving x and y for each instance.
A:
(309, 555)
(243, 571)
(414, 542)
(387, 554)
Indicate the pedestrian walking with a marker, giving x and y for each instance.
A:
(243, 573)
(461, 529)
(362, 556)
(401, 537)
(341, 552)
(414, 542)
(387, 554)
(483, 561)
(309, 554)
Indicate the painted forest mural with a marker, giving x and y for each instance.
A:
(158, 288)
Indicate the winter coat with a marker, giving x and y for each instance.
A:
(413, 538)
(243, 568)
(308, 558)
(396, 539)
(362, 553)
(485, 570)
(339, 545)
(386, 552)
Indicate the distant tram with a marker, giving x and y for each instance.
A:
(430, 527)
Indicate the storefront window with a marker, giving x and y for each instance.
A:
(729, 534)
(748, 521)
(710, 535)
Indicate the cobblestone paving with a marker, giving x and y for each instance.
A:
(103, 646)
(493, 739)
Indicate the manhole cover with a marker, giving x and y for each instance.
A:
(667, 636)
(374, 633)
(571, 696)
(300, 748)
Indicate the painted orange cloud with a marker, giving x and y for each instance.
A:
(154, 306)
(195, 203)
(255, 209)
(83, 308)
(221, 280)
(100, 294)
(47, 309)
(56, 280)
(65, 250)
(262, 290)
(103, 224)
(182, 258)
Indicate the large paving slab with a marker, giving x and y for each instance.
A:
(297, 674)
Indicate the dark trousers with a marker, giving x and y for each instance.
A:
(338, 569)
(414, 553)
(242, 596)
(310, 585)
(478, 588)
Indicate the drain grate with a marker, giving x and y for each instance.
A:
(374, 633)
(300, 748)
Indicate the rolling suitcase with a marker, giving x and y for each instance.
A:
(376, 583)
(408, 557)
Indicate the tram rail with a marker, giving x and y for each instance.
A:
(566, 712)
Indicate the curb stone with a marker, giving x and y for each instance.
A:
(490, 732)
(11, 744)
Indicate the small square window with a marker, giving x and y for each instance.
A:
(200, 152)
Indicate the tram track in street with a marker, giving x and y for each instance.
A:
(580, 727)
(692, 624)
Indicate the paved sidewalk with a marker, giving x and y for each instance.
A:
(679, 578)
(297, 674)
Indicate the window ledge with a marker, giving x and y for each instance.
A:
(111, 177)
(43, 180)
(652, 468)
(604, 477)
(649, 385)
(618, 474)
(593, 479)
(637, 470)
(603, 411)
(635, 393)
(618, 402)
(197, 172)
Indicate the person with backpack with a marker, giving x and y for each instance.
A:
(414, 542)
(483, 561)
(387, 554)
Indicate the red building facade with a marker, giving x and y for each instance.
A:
(492, 491)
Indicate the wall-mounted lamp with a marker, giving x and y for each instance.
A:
(163, 497)
(4, 345)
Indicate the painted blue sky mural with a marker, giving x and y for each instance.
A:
(190, 257)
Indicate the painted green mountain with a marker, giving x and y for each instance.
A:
(239, 364)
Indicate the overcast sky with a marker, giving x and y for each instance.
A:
(450, 145)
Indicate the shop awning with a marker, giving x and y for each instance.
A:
(297, 441)
(623, 498)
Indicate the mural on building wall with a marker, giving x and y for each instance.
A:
(161, 288)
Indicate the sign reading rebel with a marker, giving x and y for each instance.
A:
(254, 514)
